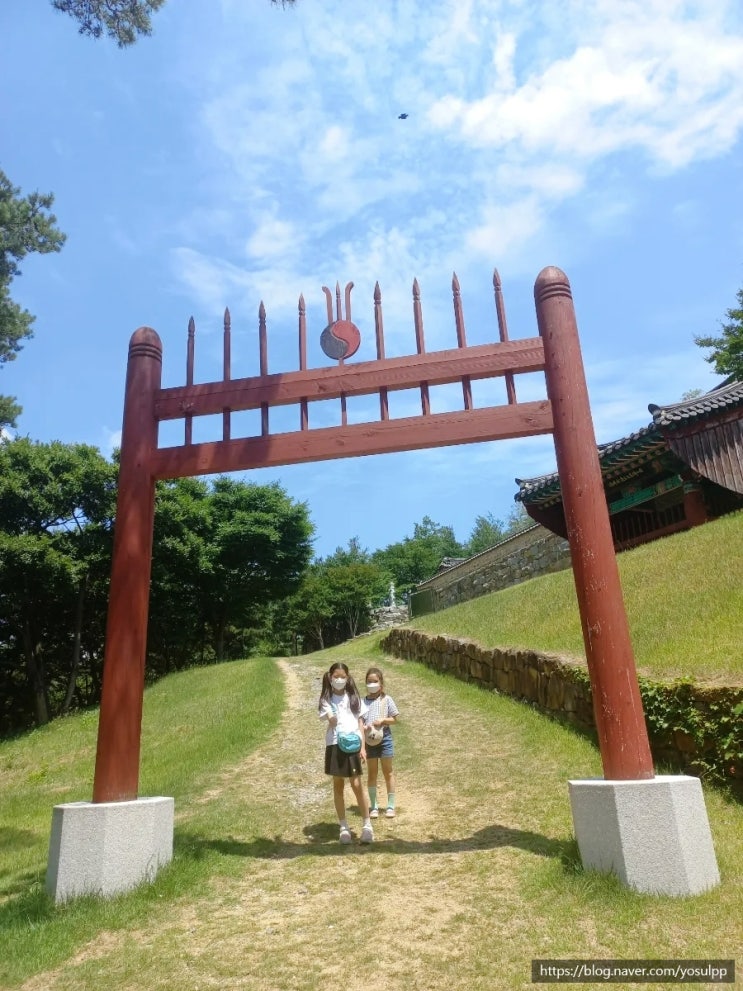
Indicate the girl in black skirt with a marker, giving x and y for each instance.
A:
(342, 707)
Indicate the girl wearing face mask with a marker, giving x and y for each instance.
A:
(382, 714)
(341, 706)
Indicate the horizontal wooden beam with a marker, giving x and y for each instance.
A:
(379, 437)
(436, 368)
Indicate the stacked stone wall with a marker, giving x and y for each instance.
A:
(533, 552)
(561, 689)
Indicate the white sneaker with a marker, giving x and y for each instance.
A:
(374, 813)
(367, 834)
(390, 814)
(345, 835)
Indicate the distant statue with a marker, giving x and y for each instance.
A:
(392, 594)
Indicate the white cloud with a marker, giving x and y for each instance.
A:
(516, 116)
(638, 76)
(273, 237)
(505, 228)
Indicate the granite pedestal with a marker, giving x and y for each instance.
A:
(107, 848)
(653, 834)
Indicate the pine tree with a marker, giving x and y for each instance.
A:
(26, 227)
(123, 20)
(727, 349)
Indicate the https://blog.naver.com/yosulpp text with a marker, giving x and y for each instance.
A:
(633, 971)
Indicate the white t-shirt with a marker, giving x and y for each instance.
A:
(347, 721)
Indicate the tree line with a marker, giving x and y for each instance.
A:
(233, 574)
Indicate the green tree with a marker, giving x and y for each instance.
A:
(26, 227)
(416, 558)
(306, 616)
(727, 349)
(518, 519)
(123, 20)
(258, 545)
(355, 589)
(176, 628)
(353, 554)
(486, 532)
(56, 507)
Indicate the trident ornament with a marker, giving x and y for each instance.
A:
(341, 338)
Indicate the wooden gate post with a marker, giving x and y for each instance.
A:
(119, 726)
(623, 739)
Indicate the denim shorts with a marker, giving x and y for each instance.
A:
(385, 749)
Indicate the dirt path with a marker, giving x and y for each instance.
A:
(303, 906)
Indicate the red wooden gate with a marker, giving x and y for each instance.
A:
(566, 413)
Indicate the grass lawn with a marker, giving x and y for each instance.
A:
(684, 601)
(476, 876)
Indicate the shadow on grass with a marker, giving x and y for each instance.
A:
(16, 839)
(27, 906)
(322, 840)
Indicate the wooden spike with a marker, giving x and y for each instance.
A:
(190, 351)
(302, 334)
(188, 423)
(461, 338)
(500, 312)
(227, 346)
(384, 411)
(263, 351)
(418, 318)
(303, 412)
(378, 322)
(227, 373)
(458, 313)
(420, 343)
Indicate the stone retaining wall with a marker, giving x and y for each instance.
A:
(561, 689)
(532, 552)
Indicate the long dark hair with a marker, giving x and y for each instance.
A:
(351, 689)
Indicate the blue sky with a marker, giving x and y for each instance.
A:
(247, 153)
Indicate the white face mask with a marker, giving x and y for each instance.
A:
(339, 684)
(373, 687)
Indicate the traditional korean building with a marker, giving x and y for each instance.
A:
(684, 468)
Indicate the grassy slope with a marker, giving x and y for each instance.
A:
(194, 723)
(479, 873)
(200, 725)
(684, 600)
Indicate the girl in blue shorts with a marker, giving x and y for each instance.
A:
(382, 714)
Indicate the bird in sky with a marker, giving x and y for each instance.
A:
(402, 116)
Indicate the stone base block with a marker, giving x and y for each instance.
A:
(106, 848)
(653, 834)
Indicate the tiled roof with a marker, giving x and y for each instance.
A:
(729, 396)
(641, 445)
